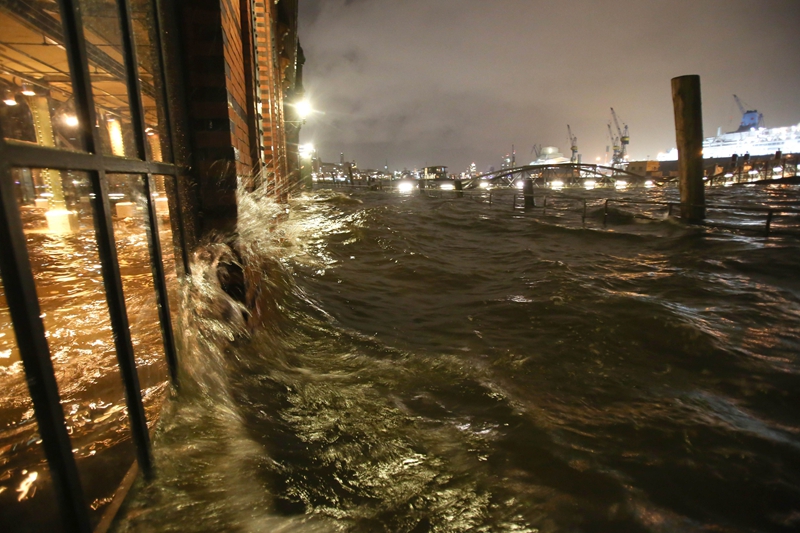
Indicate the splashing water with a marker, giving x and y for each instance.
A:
(373, 362)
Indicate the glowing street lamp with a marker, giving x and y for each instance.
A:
(306, 150)
(9, 98)
(303, 108)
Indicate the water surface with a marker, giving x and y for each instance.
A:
(404, 363)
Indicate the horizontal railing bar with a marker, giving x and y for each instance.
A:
(21, 154)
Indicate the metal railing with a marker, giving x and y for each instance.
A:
(770, 213)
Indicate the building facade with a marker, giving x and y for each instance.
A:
(126, 128)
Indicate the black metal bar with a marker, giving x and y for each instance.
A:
(138, 118)
(79, 71)
(29, 155)
(162, 71)
(112, 280)
(84, 107)
(20, 154)
(160, 282)
(178, 218)
(20, 292)
(131, 66)
(605, 212)
(132, 166)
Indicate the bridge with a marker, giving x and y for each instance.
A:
(569, 174)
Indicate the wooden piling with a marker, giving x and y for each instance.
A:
(689, 137)
(527, 193)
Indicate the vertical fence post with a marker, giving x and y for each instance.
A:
(527, 192)
(583, 219)
(689, 136)
(769, 222)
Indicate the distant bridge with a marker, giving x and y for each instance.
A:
(567, 173)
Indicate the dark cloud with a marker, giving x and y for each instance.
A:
(454, 81)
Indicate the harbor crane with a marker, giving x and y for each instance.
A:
(573, 144)
(624, 138)
(616, 158)
(751, 118)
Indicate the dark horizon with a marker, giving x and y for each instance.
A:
(448, 83)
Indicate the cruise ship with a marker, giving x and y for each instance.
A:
(757, 141)
(750, 138)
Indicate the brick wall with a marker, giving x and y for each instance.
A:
(234, 93)
(270, 78)
(235, 84)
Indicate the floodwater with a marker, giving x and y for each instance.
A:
(406, 363)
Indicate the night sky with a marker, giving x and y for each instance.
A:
(449, 82)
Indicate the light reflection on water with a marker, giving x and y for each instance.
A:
(406, 363)
(75, 314)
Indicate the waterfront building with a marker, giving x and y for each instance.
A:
(126, 129)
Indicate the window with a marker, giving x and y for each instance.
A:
(92, 248)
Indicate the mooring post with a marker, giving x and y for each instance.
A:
(527, 193)
(689, 137)
(421, 186)
(583, 218)
(459, 189)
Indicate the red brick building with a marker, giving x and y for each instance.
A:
(241, 68)
(126, 129)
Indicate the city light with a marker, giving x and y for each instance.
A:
(306, 150)
(27, 90)
(447, 186)
(620, 184)
(405, 186)
(648, 184)
(303, 108)
(71, 120)
(557, 185)
(483, 184)
(9, 98)
(589, 184)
